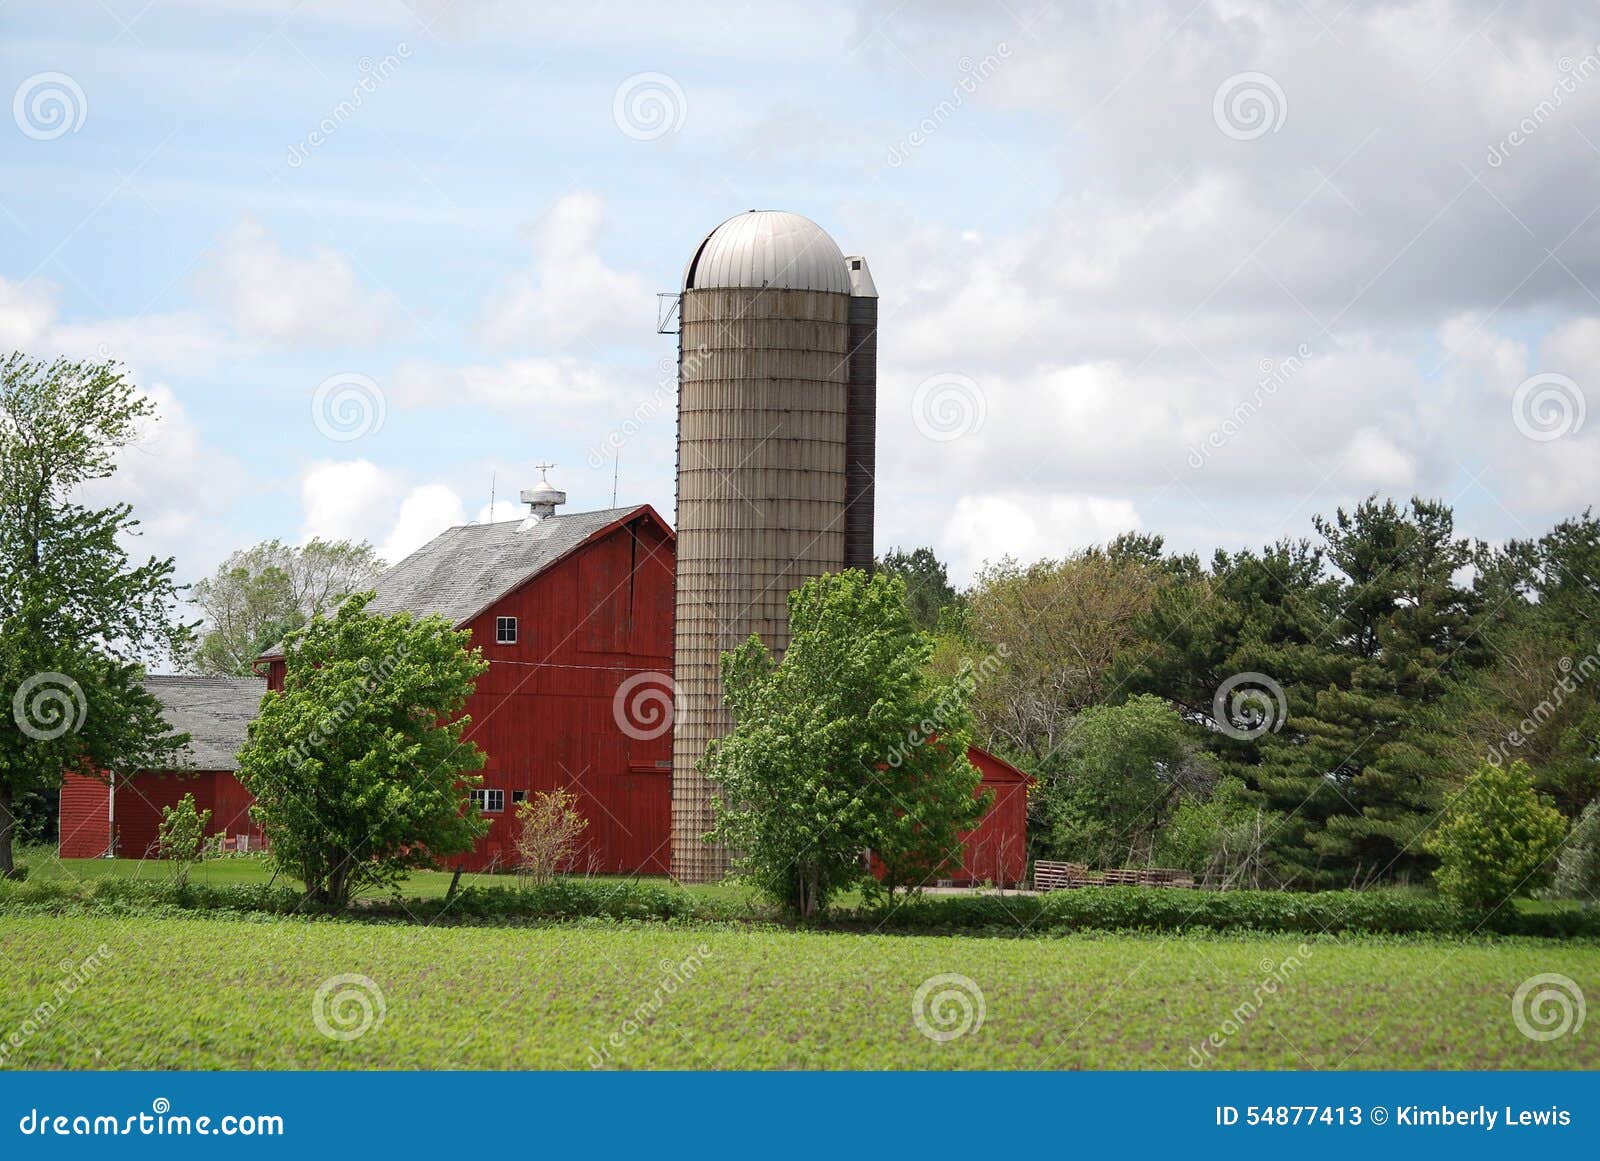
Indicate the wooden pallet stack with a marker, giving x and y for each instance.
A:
(1053, 876)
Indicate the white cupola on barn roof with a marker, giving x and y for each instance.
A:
(543, 500)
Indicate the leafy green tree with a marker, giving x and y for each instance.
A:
(1578, 868)
(358, 766)
(1496, 840)
(181, 837)
(76, 612)
(847, 745)
(1063, 626)
(258, 596)
(1108, 791)
(928, 589)
(1220, 839)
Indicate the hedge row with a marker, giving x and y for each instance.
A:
(1155, 909)
(1089, 909)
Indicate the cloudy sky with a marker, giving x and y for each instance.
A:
(1204, 269)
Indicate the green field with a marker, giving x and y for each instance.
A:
(197, 993)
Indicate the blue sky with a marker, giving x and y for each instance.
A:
(1084, 245)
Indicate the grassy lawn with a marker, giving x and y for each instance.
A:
(195, 993)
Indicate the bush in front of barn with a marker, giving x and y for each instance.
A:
(1091, 909)
(1156, 909)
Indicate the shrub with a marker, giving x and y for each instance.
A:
(182, 836)
(1578, 868)
(551, 828)
(1496, 840)
(359, 765)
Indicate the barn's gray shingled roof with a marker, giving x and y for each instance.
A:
(213, 711)
(462, 571)
(465, 569)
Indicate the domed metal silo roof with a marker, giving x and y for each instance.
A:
(768, 248)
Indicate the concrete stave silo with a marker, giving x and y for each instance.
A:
(770, 458)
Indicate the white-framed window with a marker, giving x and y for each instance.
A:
(489, 801)
(505, 630)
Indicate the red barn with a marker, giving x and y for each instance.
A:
(574, 614)
(97, 819)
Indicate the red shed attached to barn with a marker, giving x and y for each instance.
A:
(98, 819)
(997, 852)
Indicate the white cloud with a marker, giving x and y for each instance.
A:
(424, 513)
(985, 528)
(272, 296)
(180, 489)
(358, 500)
(571, 294)
(26, 310)
(348, 500)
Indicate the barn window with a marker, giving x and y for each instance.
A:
(489, 801)
(518, 796)
(505, 631)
